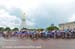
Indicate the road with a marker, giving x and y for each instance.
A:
(15, 43)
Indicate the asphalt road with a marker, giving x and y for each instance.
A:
(15, 43)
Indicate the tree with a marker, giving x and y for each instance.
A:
(15, 29)
(52, 28)
(24, 29)
(7, 29)
(40, 29)
(1, 29)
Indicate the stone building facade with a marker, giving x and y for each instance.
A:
(68, 25)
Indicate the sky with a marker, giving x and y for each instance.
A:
(39, 13)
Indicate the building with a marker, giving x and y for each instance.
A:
(68, 25)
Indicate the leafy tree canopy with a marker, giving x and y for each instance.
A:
(52, 28)
(15, 29)
(7, 29)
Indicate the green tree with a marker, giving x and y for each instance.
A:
(52, 28)
(1, 29)
(7, 29)
(15, 29)
(40, 29)
(24, 29)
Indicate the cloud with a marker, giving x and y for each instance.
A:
(72, 18)
(40, 13)
(24, 5)
(52, 13)
(30, 24)
(13, 18)
(7, 20)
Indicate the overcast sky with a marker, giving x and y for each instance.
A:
(39, 13)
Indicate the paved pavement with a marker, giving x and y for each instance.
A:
(15, 43)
